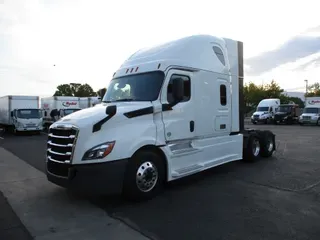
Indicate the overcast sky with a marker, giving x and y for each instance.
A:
(88, 40)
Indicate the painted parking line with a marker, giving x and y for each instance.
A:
(1, 138)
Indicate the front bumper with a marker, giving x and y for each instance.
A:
(308, 121)
(97, 178)
(29, 129)
(280, 120)
(258, 120)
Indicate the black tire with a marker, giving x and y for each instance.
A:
(267, 144)
(289, 121)
(131, 189)
(249, 154)
(318, 122)
(15, 132)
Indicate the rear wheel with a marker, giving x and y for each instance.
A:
(145, 176)
(267, 144)
(252, 151)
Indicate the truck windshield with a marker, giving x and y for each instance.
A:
(137, 87)
(262, 109)
(28, 113)
(284, 109)
(69, 111)
(311, 110)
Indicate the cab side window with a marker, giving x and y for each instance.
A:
(223, 95)
(187, 88)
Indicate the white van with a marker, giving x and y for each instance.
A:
(265, 110)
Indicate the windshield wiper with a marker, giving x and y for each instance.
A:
(106, 101)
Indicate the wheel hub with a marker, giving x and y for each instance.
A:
(270, 146)
(255, 147)
(146, 177)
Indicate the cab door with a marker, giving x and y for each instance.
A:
(179, 122)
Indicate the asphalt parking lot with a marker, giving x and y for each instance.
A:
(276, 198)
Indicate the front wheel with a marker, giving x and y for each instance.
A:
(15, 131)
(144, 176)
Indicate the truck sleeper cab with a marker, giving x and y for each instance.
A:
(168, 113)
(265, 110)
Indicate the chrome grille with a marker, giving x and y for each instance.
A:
(61, 143)
(306, 117)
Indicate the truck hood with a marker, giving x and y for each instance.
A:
(90, 116)
(25, 121)
(309, 114)
(260, 113)
(282, 113)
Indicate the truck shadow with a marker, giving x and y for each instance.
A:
(226, 172)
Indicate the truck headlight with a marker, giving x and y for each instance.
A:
(99, 151)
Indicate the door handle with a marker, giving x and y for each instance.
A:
(191, 126)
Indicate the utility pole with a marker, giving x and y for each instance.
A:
(305, 96)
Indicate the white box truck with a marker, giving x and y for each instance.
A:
(86, 102)
(311, 112)
(169, 112)
(58, 106)
(265, 110)
(20, 113)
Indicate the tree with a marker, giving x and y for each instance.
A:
(85, 90)
(75, 90)
(285, 99)
(313, 90)
(101, 92)
(253, 94)
(272, 90)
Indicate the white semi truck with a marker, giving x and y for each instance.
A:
(21, 114)
(311, 112)
(265, 110)
(165, 108)
(59, 106)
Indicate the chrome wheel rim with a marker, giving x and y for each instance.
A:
(270, 145)
(256, 147)
(146, 177)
